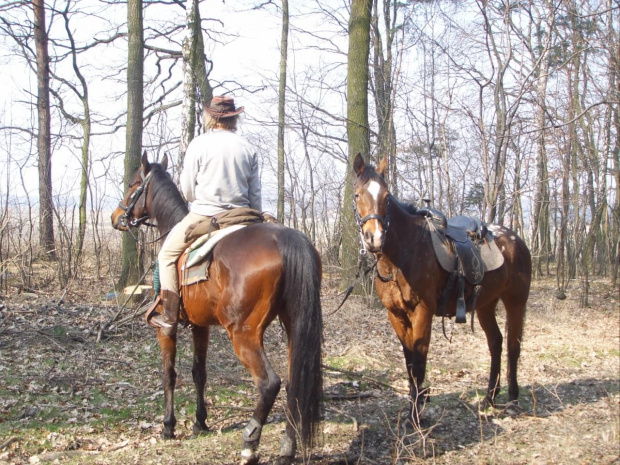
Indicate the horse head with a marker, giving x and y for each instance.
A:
(371, 203)
(133, 210)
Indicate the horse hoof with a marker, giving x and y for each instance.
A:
(487, 404)
(513, 408)
(167, 434)
(199, 429)
(249, 456)
(284, 460)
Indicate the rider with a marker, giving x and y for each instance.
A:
(220, 172)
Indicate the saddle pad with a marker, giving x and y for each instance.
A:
(200, 248)
(195, 274)
(492, 258)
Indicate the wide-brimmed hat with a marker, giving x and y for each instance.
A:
(222, 107)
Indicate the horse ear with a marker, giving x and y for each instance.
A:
(164, 161)
(146, 166)
(358, 164)
(382, 168)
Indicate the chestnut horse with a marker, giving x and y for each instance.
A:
(410, 282)
(258, 273)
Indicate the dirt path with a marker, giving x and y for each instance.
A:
(65, 398)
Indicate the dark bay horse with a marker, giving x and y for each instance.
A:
(410, 282)
(258, 273)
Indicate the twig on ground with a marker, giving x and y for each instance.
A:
(337, 397)
(365, 377)
(10, 441)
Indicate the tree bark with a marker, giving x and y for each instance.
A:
(358, 133)
(44, 141)
(196, 86)
(131, 266)
(281, 110)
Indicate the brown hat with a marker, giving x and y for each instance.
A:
(222, 107)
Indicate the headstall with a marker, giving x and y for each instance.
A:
(127, 220)
(384, 220)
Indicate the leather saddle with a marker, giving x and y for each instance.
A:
(465, 248)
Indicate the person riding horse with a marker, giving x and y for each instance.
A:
(220, 172)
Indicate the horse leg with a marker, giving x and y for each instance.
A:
(253, 357)
(515, 316)
(414, 333)
(199, 373)
(488, 322)
(168, 346)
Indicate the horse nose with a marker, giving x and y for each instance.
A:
(374, 239)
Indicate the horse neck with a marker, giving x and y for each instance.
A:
(405, 236)
(167, 205)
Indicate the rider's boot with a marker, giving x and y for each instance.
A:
(168, 318)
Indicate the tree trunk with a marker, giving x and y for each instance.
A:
(196, 86)
(358, 133)
(44, 141)
(281, 109)
(131, 265)
(383, 85)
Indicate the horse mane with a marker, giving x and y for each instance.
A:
(167, 203)
(408, 207)
(370, 174)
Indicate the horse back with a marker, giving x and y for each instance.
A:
(244, 275)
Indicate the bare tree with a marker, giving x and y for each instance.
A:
(44, 141)
(358, 131)
(131, 266)
(281, 109)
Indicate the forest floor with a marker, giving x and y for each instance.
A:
(67, 398)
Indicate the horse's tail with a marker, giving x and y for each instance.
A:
(302, 283)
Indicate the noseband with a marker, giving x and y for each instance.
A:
(128, 220)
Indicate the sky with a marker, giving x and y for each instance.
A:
(248, 53)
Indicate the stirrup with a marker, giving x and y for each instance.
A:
(150, 313)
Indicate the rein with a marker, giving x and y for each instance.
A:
(385, 222)
(358, 277)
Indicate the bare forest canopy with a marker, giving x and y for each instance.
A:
(508, 111)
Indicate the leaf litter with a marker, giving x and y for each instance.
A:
(66, 398)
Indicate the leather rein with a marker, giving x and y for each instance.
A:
(385, 222)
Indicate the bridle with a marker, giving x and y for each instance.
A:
(384, 220)
(127, 220)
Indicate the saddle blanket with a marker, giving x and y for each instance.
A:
(195, 265)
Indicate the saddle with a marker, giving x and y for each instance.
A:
(465, 248)
(205, 234)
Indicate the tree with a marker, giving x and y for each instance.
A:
(281, 109)
(196, 86)
(44, 141)
(131, 265)
(84, 121)
(358, 132)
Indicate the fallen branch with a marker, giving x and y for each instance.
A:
(365, 377)
(337, 397)
(10, 441)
